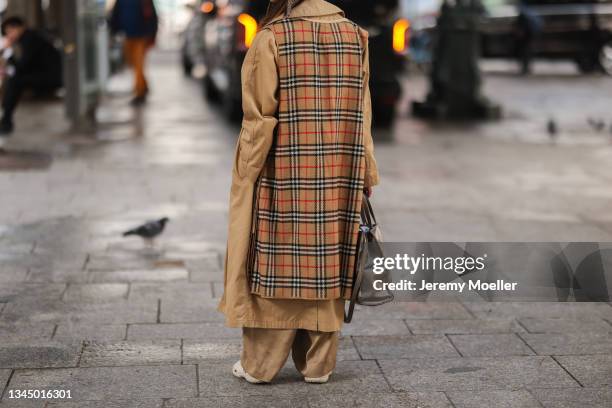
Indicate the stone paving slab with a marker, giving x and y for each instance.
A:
(209, 269)
(16, 332)
(347, 350)
(375, 327)
(467, 326)
(354, 377)
(592, 371)
(39, 354)
(119, 261)
(412, 310)
(104, 383)
(238, 402)
(23, 292)
(62, 312)
(97, 292)
(575, 397)
(570, 343)
(56, 275)
(4, 376)
(168, 291)
(534, 325)
(490, 345)
(196, 331)
(195, 351)
(12, 274)
(186, 311)
(411, 346)
(144, 403)
(90, 331)
(131, 353)
(379, 400)
(140, 275)
(494, 398)
(475, 373)
(7, 403)
(574, 311)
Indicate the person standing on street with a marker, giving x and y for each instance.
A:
(303, 161)
(30, 61)
(137, 19)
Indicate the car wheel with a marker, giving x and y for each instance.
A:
(605, 57)
(586, 64)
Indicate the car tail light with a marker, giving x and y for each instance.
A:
(248, 29)
(207, 7)
(400, 35)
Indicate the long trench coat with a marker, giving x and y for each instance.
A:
(260, 103)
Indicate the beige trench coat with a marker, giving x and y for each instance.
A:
(259, 104)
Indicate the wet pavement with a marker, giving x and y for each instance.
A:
(122, 325)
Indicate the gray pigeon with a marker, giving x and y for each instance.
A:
(148, 231)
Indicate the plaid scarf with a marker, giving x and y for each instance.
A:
(308, 196)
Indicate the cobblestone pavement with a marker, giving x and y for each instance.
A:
(119, 325)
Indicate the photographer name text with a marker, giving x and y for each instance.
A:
(408, 285)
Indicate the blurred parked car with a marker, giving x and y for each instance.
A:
(576, 30)
(233, 23)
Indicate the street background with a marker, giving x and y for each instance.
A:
(121, 325)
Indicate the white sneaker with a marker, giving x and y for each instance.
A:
(239, 372)
(318, 380)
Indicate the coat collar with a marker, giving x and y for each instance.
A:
(314, 8)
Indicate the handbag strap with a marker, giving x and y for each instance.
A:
(367, 219)
(359, 267)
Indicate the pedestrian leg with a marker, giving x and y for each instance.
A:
(139, 54)
(13, 88)
(314, 353)
(265, 351)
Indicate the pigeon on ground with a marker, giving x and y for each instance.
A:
(552, 129)
(148, 231)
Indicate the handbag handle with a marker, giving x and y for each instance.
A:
(367, 214)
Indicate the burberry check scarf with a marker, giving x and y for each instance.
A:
(308, 196)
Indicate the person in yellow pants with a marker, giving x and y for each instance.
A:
(137, 19)
(135, 50)
(304, 159)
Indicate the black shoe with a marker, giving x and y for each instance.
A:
(6, 128)
(138, 100)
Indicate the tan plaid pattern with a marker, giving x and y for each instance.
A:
(308, 196)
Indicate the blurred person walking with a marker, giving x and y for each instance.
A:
(137, 20)
(303, 161)
(529, 27)
(30, 61)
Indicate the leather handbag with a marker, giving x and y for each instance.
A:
(368, 248)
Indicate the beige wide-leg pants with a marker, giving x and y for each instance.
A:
(265, 351)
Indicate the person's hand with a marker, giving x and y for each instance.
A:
(367, 191)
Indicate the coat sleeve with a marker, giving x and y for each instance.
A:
(371, 174)
(259, 104)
